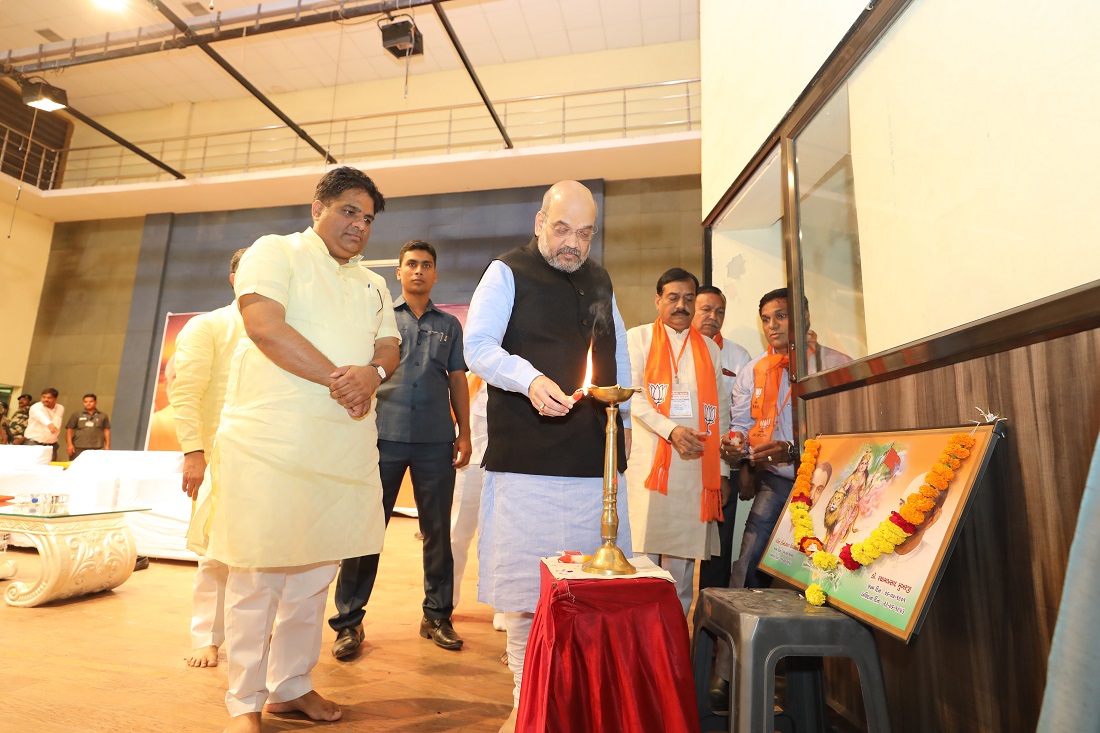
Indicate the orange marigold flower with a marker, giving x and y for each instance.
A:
(936, 480)
(966, 441)
(812, 445)
(958, 451)
(805, 471)
(950, 461)
(803, 486)
(944, 471)
(911, 515)
(930, 491)
(920, 503)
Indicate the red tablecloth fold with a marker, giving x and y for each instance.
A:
(607, 656)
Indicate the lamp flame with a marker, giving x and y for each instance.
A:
(587, 373)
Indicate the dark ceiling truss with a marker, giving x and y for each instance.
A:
(122, 141)
(193, 35)
(240, 79)
(185, 36)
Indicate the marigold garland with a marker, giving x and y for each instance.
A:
(884, 538)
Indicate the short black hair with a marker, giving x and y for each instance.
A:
(236, 260)
(781, 293)
(346, 178)
(709, 290)
(675, 275)
(50, 390)
(419, 244)
(92, 396)
(26, 396)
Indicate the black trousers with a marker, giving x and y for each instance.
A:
(433, 482)
(715, 572)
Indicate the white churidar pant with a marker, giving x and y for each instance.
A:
(518, 626)
(273, 623)
(208, 604)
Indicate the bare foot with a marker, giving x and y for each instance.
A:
(509, 725)
(247, 723)
(204, 656)
(311, 704)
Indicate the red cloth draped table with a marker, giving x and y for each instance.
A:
(608, 655)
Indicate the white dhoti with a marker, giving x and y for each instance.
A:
(273, 623)
(208, 603)
(525, 518)
(466, 505)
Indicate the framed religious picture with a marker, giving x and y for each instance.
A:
(160, 434)
(873, 517)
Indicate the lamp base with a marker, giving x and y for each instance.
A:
(609, 560)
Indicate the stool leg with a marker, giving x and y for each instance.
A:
(805, 698)
(874, 692)
(702, 656)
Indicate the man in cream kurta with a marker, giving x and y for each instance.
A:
(670, 525)
(294, 475)
(204, 349)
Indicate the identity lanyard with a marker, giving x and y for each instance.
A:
(676, 361)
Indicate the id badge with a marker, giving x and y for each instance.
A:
(681, 404)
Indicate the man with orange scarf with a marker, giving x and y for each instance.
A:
(677, 479)
(761, 431)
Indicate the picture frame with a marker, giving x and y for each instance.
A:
(858, 480)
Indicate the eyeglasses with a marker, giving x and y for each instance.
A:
(561, 231)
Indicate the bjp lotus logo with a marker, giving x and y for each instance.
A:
(658, 393)
(710, 412)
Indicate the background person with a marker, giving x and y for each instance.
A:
(89, 430)
(677, 479)
(17, 423)
(204, 351)
(416, 433)
(44, 421)
(710, 316)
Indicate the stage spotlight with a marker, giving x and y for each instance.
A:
(44, 96)
(401, 37)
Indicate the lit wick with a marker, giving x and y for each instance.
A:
(587, 383)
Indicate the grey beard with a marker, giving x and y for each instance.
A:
(552, 257)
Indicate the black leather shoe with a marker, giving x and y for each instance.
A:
(347, 642)
(141, 562)
(441, 632)
(719, 695)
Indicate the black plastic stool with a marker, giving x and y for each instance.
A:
(764, 626)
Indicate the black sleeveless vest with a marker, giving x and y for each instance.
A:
(555, 316)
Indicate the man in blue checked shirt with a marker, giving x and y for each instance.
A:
(416, 432)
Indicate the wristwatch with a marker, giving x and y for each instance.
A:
(381, 371)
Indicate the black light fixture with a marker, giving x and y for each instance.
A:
(44, 96)
(401, 37)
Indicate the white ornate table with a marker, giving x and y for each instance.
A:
(82, 552)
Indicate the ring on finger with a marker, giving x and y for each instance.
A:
(769, 459)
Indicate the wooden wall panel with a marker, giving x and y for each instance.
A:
(979, 662)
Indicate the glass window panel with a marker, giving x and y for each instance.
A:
(829, 232)
(747, 254)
